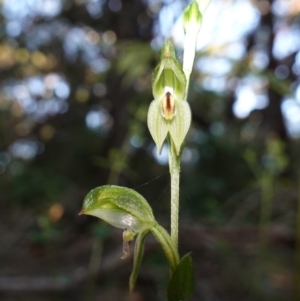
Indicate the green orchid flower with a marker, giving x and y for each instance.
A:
(169, 112)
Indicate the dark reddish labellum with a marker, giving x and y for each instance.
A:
(168, 106)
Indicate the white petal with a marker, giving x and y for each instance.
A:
(118, 219)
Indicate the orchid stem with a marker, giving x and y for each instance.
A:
(174, 166)
(167, 243)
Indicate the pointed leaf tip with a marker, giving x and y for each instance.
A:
(81, 212)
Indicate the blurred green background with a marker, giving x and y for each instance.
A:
(74, 92)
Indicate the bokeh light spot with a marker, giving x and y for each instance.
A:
(47, 132)
(62, 90)
(82, 95)
(23, 129)
(163, 157)
(93, 37)
(22, 55)
(7, 58)
(263, 6)
(56, 212)
(109, 37)
(25, 149)
(282, 72)
(39, 60)
(17, 110)
(115, 5)
(99, 89)
(96, 119)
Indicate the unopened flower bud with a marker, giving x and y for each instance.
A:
(192, 18)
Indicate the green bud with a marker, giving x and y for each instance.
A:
(119, 206)
(169, 112)
(168, 75)
(192, 18)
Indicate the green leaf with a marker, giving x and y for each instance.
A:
(181, 285)
(119, 206)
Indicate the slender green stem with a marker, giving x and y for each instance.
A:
(170, 249)
(174, 160)
(174, 167)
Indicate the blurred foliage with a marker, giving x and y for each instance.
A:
(74, 94)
